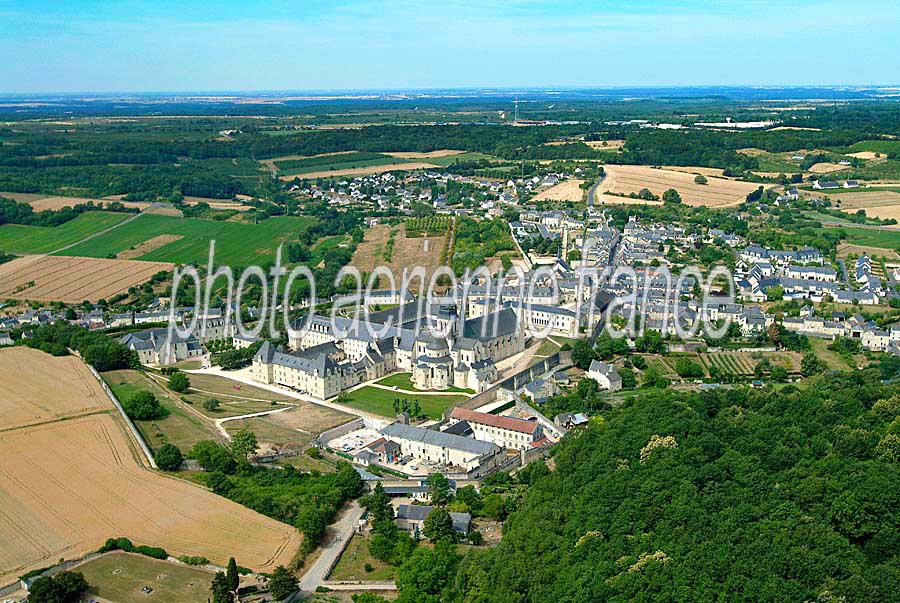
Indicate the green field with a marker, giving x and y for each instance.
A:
(237, 243)
(352, 563)
(404, 381)
(15, 238)
(381, 401)
(868, 237)
(180, 427)
(876, 146)
(451, 159)
(119, 577)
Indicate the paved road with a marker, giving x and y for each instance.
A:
(337, 536)
(591, 194)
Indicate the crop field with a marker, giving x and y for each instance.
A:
(69, 484)
(41, 202)
(444, 160)
(289, 167)
(430, 226)
(407, 252)
(827, 168)
(626, 179)
(883, 147)
(778, 163)
(867, 237)
(120, 576)
(72, 279)
(237, 244)
(45, 388)
(743, 363)
(570, 190)
(15, 238)
(363, 170)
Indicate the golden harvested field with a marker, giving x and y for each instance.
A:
(705, 171)
(41, 202)
(613, 145)
(147, 246)
(407, 253)
(72, 279)
(863, 155)
(827, 168)
(569, 190)
(869, 198)
(845, 249)
(626, 179)
(885, 212)
(428, 155)
(38, 390)
(69, 484)
(363, 171)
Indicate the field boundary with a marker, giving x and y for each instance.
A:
(131, 426)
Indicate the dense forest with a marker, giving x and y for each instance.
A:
(738, 495)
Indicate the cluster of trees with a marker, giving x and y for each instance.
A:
(63, 587)
(13, 212)
(124, 544)
(98, 350)
(476, 241)
(766, 494)
(225, 585)
(308, 501)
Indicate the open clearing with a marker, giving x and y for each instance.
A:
(570, 190)
(428, 155)
(120, 576)
(611, 145)
(69, 484)
(626, 179)
(846, 249)
(72, 279)
(864, 155)
(407, 252)
(363, 171)
(827, 168)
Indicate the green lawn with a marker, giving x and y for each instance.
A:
(867, 237)
(237, 244)
(404, 381)
(351, 565)
(381, 401)
(15, 238)
(119, 577)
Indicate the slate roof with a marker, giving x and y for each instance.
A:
(437, 438)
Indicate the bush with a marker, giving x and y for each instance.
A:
(123, 544)
(368, 568)
(168, 457)
(195, 561)
(211, 404)
(143, 406)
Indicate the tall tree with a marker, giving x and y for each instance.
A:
(231, 573)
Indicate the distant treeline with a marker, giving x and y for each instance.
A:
(13, 212)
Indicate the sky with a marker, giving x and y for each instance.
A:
(243, 45)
